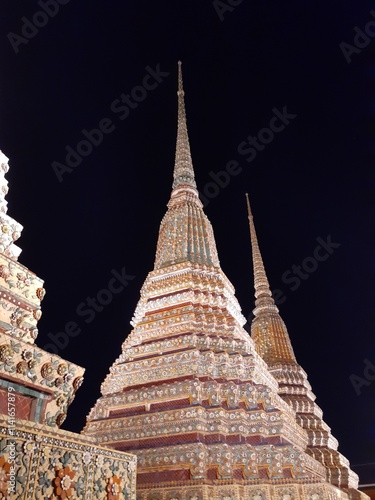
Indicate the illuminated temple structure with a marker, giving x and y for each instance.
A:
(193, 409)
(210, 412)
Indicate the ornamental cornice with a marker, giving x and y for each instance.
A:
(142, 334)
(191, 362)
(183, 269)
(194, 389)
(166, 429)
(197, 419)
(19, 281)
(209, 284)
(291, 367)
(225, 458)
(194, 314)
(199, 339)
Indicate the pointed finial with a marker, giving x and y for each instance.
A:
(268, 329)
(261, 285)
(249, 214)
(180, 90)
(183, 176)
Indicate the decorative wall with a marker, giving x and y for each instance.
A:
(39, 463)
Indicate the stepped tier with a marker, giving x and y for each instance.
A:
(191, 397)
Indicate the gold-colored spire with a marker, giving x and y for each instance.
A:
(183, 175)
(268, 330)
(185, 234)
(261, 285)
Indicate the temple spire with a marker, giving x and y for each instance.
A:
(186, 234)
(263, 293)
(268, 330)
(183, 175)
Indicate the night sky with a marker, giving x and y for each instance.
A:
(311, 181)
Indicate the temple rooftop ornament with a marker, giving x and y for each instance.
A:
(190, 394)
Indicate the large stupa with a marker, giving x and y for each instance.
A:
(210, 412)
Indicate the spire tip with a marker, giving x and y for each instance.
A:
(183, 172)
(180, 91)
(248, 205)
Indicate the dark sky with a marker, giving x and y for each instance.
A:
(311, 182)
